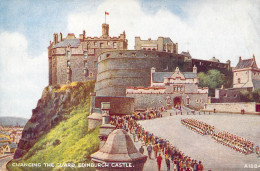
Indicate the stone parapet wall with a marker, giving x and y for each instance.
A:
(118, 105)
(249, 107)
(143, 101)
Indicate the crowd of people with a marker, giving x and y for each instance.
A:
(161, 148)
(235, 142)
(198, 126)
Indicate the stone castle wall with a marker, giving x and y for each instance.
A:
(143, 101)
(232, 107)
(118, 105)
(120, 69)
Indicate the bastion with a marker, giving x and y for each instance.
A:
(121, 68)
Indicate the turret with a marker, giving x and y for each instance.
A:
(55, 38)
(105, 30)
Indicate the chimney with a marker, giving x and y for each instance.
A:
(105, 30)
(240, 59)
(60, 37)
(55, 38)
(84, 35)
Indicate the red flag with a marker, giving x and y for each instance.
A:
(106, 13)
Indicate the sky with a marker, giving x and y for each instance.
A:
(205, 28)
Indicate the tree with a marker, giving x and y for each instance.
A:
(212, 79)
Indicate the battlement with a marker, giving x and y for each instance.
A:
(138, 54)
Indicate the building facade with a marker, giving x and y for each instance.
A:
(162, 44)
(246, 75)
(75, 59)
(171, 89)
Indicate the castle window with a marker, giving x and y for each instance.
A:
(108, 55)
(68, 54)
(197, 100)
(95, 64)
(154, 49)
(225, 94)
(68, 63)
(235, 96)
(114, 45)
(145, 55)
(149, 48)
(95, 44)
(134, 54)
(90, 74)
(85, 54)
(144, 48)
(85, 64)
(108, 43)
(238, 80)
(102, 45)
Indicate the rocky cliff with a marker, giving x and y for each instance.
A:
(56, 105)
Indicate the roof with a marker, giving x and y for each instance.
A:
(12, 145)
(118, 147)
(158, 77)
(187, 54)
(256, 84)
(167, 40)
(2, 144)
(73, 43)
(246, 63)
(189, 75)
(3, 138)
(5, 133)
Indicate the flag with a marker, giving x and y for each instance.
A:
(106, 13)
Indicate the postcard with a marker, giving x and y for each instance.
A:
(129, 85)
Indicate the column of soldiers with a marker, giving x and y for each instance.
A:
(159, 146)
(235, 142)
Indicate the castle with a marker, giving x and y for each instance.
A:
(76, 59)
(121, 74)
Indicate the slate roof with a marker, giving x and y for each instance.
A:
(256, 84)
(158, 77)
(246, 63)
(13, 145)
(3, 138)
(73, 42)
(2, 144)
(189, 75)
(186, 54)
(167, 40)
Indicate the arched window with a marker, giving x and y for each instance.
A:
(238, 80)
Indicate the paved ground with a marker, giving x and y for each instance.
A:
(214, 156)
(4, 161)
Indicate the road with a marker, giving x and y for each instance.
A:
(214, 156)
(4, 161)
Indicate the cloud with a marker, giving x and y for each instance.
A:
(22, 77)
(224, 29)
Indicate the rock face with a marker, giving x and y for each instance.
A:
(54, 106)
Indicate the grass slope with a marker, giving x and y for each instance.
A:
(68, 142)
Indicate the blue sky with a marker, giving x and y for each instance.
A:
(225, 29)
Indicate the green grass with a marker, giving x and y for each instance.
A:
(69, 141)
